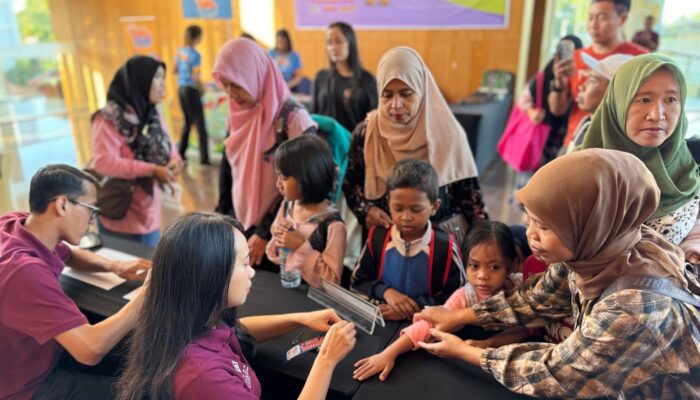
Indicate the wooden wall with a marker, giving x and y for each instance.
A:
(457, 58)
(97, 47)
(95, 29)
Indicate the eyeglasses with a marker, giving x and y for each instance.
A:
(94, 211)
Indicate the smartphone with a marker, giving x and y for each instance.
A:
(565, 49)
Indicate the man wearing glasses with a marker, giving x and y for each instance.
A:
(37, 319)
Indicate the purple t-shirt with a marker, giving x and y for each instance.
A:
(213, 367)
(33, 308)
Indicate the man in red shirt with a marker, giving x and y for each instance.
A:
(605, 21)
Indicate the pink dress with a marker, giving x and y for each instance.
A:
(113, 157)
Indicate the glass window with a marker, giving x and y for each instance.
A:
(678, 25)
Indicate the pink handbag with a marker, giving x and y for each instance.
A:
(523, 141)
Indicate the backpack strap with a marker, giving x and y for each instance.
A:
(441, 244)
(663, 286)
(377, 241)
(319, 237)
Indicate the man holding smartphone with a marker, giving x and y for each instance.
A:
(605, 21)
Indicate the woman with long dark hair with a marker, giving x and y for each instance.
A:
(344, 91)
(185, 345)
(288, 60)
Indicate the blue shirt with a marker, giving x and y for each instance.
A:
(287, 63)
(187, 63)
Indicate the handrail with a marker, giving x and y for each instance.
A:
(34, 117)
(680, 53)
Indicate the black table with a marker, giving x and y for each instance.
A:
(267, 296)
(484, 123)
(98, 301)
(418, 374)
(415, 375)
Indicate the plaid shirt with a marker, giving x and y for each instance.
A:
(632, 344)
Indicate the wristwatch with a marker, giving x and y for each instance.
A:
(553, 87)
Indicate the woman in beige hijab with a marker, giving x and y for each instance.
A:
(587, 224)
(412, 121)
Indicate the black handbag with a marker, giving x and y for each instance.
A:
(113, 194)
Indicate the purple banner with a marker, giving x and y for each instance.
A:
(404, 14)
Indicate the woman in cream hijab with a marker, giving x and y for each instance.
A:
(412, 121)
(588, 225)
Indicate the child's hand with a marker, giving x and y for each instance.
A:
(289, 239)
(285, 235)
(389, 313)
(380, 362)
(402, 303)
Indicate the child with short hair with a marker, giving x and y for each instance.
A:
(307, 223)
(411, 264)
(491, 265)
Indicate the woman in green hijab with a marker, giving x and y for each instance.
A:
(643, 114)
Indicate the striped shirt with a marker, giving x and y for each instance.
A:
(632, 344)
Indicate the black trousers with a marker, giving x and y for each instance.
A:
(191, 103)
(70, 380)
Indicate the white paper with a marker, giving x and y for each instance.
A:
(115, 255)
(130, 296)
(103, 280)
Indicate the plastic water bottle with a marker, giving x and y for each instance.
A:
(289, 279)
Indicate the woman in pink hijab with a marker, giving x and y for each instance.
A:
(263, 114)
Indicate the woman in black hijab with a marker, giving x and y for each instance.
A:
(130, 142)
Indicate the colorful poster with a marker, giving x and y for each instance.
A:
(209, 9)
(404, 14)
(141, 35)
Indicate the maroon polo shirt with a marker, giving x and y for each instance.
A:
(213, 367)
(33, 308)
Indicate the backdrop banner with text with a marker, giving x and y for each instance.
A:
(404, 14)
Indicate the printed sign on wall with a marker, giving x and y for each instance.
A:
(404, 14)
(210, 9)
(141, 35)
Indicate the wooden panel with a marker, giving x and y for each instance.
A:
(457, 58)
(99, 44)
